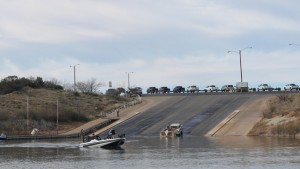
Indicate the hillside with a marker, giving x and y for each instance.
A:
(281, 117)
(74, 109)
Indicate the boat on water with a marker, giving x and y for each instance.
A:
(173, 130)
(110, 142)
(3, 136)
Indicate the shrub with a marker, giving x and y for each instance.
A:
(4, 116)
(291, 129)
(284, 97)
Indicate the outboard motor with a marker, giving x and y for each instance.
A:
(121, 135)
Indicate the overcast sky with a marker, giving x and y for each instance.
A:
(163, 42)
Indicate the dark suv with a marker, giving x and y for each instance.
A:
(164, 90)
(178, 89)
(135, 91)
(121, 90)
(112, 92)
(152, 90)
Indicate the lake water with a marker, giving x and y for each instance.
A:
(153, 152)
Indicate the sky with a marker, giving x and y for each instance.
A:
(163, 42)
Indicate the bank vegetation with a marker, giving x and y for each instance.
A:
(27, 103)
(281, 117)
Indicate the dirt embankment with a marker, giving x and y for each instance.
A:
(281, 117)
(278, 115)
(21, 111)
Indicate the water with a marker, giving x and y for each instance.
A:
(153, 152)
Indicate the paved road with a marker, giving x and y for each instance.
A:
(199, 113)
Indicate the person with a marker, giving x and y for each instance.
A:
(111, 133)
(98, 137)
(118, 112)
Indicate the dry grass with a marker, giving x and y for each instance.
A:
(42, 109)
(283, 104)
(260, 128)
(281, 117)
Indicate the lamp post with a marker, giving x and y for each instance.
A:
(74, 66)
(128, 78)
(240, 54)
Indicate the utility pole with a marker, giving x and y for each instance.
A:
(240, 54)
(27, 109)
(128, 78)
(57, 116)
(74, 66)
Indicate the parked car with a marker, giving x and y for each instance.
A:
(211, 88)
(227, 88)
(178, 89)
(291, 87)
(164, 90)
(112, 92)
(135, 91)
(192, 89)
(121, 90)
(264, 87)
(152, 90)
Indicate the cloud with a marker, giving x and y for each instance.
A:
(162, 42)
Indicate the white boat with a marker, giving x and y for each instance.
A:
(109, 142)
(105, 143)
(3, 136)
(175, 129)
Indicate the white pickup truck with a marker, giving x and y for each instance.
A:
(264, 87)
(291, 87)
(211, 88)
(192, 89)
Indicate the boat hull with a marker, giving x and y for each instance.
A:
(106, 143)
(3, 137)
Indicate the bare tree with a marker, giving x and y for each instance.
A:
(68, 87)
(55, 81)
(90, 86)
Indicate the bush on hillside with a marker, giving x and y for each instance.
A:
(282, 104)
(14, 83)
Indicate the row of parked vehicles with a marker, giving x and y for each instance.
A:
(136, 91)
(189, 89)
(194, 89)
(288, 87)
(214, 88)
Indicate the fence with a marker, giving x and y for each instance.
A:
(118, 111)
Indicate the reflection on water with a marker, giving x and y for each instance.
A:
(153, 152)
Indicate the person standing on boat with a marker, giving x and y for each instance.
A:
(111, 133)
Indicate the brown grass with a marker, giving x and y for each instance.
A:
(260, 128)
(42, 110)
(282, 105)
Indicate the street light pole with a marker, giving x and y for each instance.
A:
(74, 66)
(241, 70)
(57, 116)
(128, 78)
(240, 54)
(27, 107)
